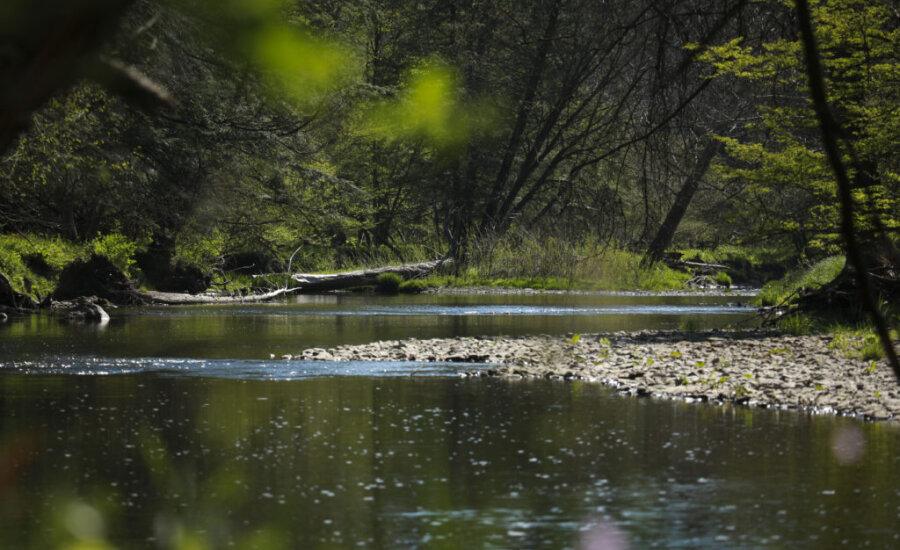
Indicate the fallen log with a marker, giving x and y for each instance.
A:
(180, 299)
(315, 282)
(700, 268)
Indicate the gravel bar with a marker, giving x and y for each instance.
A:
(756, 368)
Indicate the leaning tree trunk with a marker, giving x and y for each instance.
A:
(683, 199)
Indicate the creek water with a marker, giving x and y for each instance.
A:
(174, 428)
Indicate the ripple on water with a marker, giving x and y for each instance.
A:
(233, 368)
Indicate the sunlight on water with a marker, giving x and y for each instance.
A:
(240, 369)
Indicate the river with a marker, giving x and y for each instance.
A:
(175, 428)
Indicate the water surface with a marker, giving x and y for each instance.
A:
(173, 428)
(254, 331)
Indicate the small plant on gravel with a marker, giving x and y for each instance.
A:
(689, 325)
(871, 349)
(796, 324)
(860, 343)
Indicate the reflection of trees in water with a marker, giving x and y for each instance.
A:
(398, 461)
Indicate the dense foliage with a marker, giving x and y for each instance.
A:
(361, 132)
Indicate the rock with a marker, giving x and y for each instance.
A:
(11, 298)
(184, 279)
(87, 310)
(96, 276)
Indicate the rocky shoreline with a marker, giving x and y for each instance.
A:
(755, 368)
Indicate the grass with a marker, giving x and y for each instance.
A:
(754, 256)
(814, 276)
(518, 260)
(796, 324)
(523, 260)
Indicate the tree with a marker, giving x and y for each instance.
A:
(831, 132)
(790, 183)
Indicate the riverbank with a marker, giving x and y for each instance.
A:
(755, 368)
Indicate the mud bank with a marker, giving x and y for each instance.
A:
(755, 368)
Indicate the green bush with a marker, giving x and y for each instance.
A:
(388, 283)
(118, 249)
(722, 279)
(413, 286)
(53, 252)
(200, 250)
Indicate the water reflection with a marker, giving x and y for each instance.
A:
(254, 331)
(143, 460)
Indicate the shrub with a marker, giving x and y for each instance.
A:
(17, 251)
(118, 249)
(413, 286)
(722, 279)
(388, 283)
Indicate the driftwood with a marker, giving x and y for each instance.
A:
(301, 282)
(314, 282)
(700, 268)
(181, 299)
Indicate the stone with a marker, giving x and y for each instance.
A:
(96, 276)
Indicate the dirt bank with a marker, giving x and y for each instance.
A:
(756, 368)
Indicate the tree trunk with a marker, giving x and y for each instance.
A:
(683, 199)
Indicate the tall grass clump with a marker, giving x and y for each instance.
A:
(813, 277)
(549, 262)
(796, 324)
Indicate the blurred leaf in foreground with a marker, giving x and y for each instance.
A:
(429, 107)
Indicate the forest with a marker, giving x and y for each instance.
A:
(554, 143)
